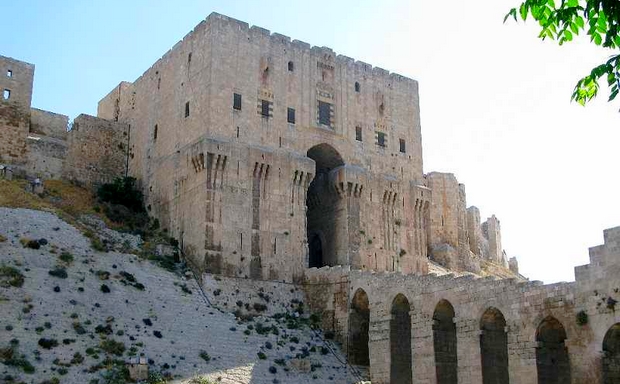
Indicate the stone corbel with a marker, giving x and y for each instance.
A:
(348, 181)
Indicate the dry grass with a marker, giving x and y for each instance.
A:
(66, 200)
(69, 198)
(13, 195)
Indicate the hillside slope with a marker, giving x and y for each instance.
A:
(129, 306)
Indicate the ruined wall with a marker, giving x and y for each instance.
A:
(16, 79)
(492, 232)
(220, 175)
(45, 123)
(46, 144)
(46, 156)
(13, 132)
(97, 151)
(583, 311)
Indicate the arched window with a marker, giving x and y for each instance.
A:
(291, 66)
(444, 342)
(552, 362)
(357, 86)
(494, 347)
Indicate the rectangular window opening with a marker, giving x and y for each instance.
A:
(6, 94)
(187, 109)
(9, 73)
(237, 132)
(381, 139)
(290, 115)
(402, 146)
(264, 110)
(237, 101)
(155, 133)
(358, 133)
(325, 114)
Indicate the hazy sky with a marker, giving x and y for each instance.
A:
(495, 100)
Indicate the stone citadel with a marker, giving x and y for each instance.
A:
(270, 159)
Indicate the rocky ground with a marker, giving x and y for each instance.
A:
(70, 314)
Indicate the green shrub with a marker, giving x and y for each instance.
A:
(113, 347)
(59, 272)
(66, 257)
(261, 356)
(205, 356)
(97, 244)
(10, 277)
(48, 343)
(122, 191)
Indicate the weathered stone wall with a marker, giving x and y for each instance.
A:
(49, 124)
(457, 239)
(14, 120)
(46, 156)
(492, 232)
(46, 144)
(16, 78)
(97, 151)
(584, 311)
(232, 183)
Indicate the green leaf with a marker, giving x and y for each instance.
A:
(613, 95)
(523, 10)
(572, 3)
(574, 28)
(597, 38)
(579, 22)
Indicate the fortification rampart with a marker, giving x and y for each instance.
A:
(582, 311)
(97, 151)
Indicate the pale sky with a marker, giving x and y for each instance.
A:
(495, 100)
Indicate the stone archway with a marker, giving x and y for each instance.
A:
(552, 362)
(611, 355)
(325, 209)
(400, 341)
(494, 347)
(444, 342)
(359, 321)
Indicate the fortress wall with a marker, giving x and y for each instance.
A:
(46, 156)
(524, 305)
(49, 124)
(14, 120)
(97, 151)
(46, 144)
(16, 78)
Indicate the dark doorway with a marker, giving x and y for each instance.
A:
(494, 347)
(611, 355)
(324, 208)
(359, 320)
(552, 363)
(400, 342)
(316, 252)
(444, 342)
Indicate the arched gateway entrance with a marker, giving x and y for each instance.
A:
(324, 209)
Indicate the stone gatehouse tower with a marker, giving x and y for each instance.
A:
(265, 156)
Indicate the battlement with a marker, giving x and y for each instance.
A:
(216, 20)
